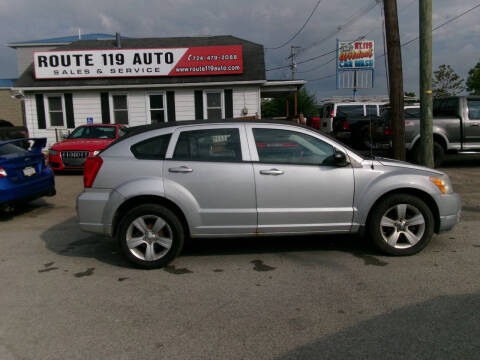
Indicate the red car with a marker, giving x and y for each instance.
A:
(84, 141)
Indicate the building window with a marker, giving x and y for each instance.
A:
(157, 108)
(120, 109)
(55, 106)
(214, 102)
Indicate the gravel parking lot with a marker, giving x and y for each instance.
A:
(66, 294)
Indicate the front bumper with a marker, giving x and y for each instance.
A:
(450, 208)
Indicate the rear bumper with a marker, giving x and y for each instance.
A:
(96, 209)
(27, 196)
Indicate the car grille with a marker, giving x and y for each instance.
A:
(74, 158)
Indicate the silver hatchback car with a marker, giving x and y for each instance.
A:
(163, 182)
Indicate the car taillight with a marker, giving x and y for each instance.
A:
(92, 166)
(332, 114)
(3, 173)
(345, 125)
(387, 130)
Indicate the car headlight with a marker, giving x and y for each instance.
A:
(96, 152)
(52, 152)
(442, 182)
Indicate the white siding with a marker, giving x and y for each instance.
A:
(86, 104)
(137, 108)
(246, 97)
(184, 105)
(32, 122)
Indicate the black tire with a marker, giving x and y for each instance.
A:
(172, 230)
(438, 154)
(386, 208)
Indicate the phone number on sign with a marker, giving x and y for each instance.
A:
(212, 57)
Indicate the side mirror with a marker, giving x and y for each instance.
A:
(337, 159)
(64, 136)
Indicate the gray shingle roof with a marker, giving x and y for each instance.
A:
(253, 62)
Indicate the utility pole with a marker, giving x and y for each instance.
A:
(426, 97)
(395, 76)
(293, 67)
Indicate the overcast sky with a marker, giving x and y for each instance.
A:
(268, 22)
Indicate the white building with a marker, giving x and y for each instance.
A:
(140, 81)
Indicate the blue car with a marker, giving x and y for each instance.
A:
(24, 176)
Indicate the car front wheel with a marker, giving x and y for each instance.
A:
(401, 224)
(150, 235)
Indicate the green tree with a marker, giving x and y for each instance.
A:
(446, 82)
(277, 107)
(473, 80)
(410, 94)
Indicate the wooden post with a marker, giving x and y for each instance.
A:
(395, 78)
(426, 97)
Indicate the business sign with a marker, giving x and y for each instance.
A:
(188, 61)
(356, 54)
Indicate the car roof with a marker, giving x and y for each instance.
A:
(136, 130)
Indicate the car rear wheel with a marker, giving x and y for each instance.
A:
(151, 236)
(438, 154)
(401, 224)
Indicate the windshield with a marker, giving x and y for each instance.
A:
(93, 132)
(350, 111)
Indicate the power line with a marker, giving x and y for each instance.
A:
(349, 21)
(317, 67)
(418, 37)
(299, 31)
(440, 26)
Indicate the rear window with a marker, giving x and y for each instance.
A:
(473, 109)
(371, 110)
(152, 149)
(350, 110)
(11, 151)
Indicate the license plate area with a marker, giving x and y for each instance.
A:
(29, 171)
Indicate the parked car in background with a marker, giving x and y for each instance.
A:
(163, 182)
(24, 176)
(456, 128)
(84, 141)
(9, 132)
(347, 110)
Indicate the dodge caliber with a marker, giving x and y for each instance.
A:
(161, 183)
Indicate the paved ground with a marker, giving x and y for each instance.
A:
(69, 295)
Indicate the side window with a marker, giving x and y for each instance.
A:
(220, 145)
(120, 109)
(291, 147)
(214, 105)
(152, 149)
(371, 110)
(411, 113)
(473, 109)
(157, 108)
(55, 110)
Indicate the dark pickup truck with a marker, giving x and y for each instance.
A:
(10, 132)
(456, 128)
(354, 130)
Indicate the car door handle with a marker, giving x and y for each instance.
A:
(180, 169)
(272, 172)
